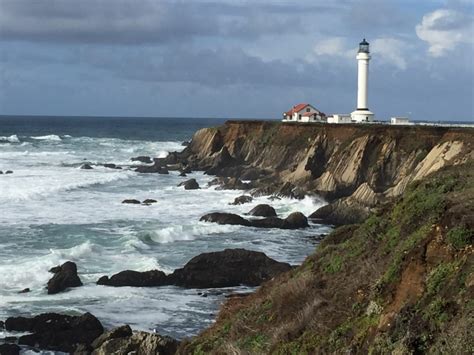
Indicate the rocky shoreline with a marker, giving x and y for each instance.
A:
(356, 169)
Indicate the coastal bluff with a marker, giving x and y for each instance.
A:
(354, 167)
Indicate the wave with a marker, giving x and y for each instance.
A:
(50, 137)
(186, 232)
(11, 139)
(46, 185)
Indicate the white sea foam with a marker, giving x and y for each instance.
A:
(54, 212)
(189, 232)
(10, 139)
(49, 137)
(27, 186)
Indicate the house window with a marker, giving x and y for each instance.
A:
(308, 109)
(299, 117)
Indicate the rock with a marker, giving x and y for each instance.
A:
(155, 168)
(221, 160)
(83, 349)
(187, 170)
(341, 212)
(269, 222)
(182, 174)
(224, 218)
(131, 201)
(242, 199)
(111, 166)
(296, 220)
(119, 332)
(25, 290)
(2, 324)
(149, 201)
(9, 349)
(190, 184)
(135, 278)
(56, 332)
(226, 183)
(139, 343)
(55, 269)
(253, 174)
(86, 167)
(274, 198)
(142, 159)
(1, 172)
(230, 267)
(66, 277)
(19, 324)
(9, 172)
(185, 143)
(263, 211)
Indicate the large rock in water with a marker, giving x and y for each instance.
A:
(139, 343)
(9, 349)
(64, 277)
(135, 278)
(155, 168)
(263, 211)
(142, 159)
(230, 267)
(225, 218)
(57, 332)
(295, 220)
(190, 184)
(242, 199)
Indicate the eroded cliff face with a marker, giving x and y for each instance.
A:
(352, 166)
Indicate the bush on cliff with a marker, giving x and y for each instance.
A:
(403, 281)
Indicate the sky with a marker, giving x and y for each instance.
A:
(235, 58)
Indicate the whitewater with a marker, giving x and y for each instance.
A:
(53, 211)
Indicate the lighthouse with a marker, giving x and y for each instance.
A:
(362, 112)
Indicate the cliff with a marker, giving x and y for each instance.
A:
(402, 282)
(355, 167)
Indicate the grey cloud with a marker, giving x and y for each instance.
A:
(146, 21)
(213, 68)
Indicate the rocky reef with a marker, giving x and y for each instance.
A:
(354, 167)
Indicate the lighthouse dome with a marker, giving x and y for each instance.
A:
(364, 46)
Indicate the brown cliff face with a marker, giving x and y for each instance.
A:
(356, 166)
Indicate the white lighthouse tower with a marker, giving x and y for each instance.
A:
(362, 113)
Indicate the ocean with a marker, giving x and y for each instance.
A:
(52, 211)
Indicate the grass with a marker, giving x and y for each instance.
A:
(324, 306)
(460, 237)
(438, 277)
(335, 264)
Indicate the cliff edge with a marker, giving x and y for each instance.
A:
(354, 167)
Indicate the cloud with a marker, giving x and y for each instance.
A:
(148, 21)
(388, 50)
(335, 46)
(445, 29)
(391, 51)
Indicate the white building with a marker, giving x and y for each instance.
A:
(400, 120)
(340, 118)
(304, 113)
(362, 112)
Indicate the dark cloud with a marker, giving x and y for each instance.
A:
(146, 21)
(207, 67)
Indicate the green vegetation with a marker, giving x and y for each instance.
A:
(460, 237)
(399, 282)
(334, 264)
